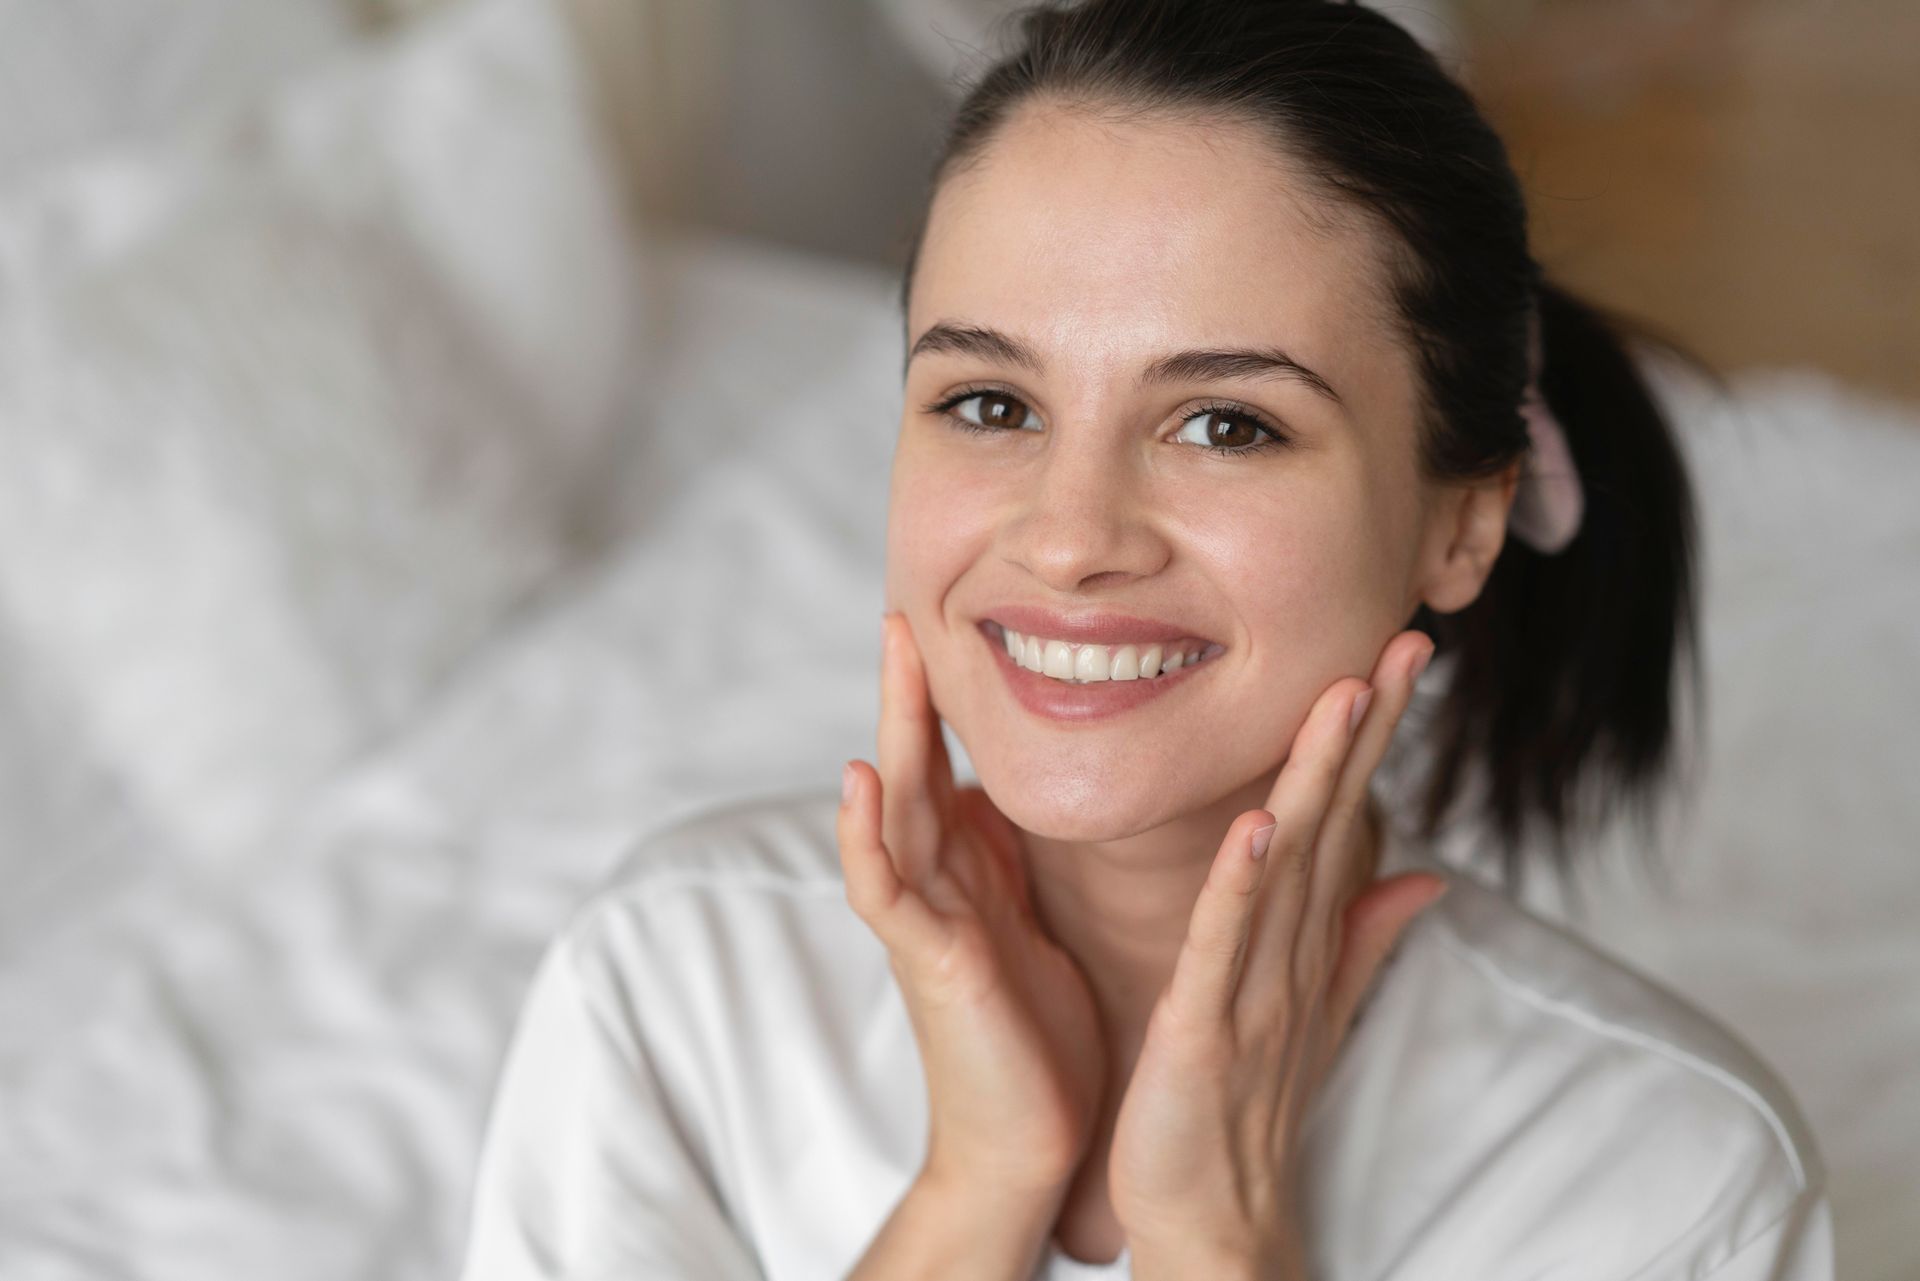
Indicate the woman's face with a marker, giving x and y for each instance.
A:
(1090, 487)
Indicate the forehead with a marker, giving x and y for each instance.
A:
(1114, 238)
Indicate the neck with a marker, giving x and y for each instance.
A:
(1121, 908)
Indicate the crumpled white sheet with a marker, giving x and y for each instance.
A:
(280, 1066)
(298, 405)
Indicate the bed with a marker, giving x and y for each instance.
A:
(316, 724)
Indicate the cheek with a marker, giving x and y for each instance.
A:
(938, 519)
(1302, 574)
(940, 524)
(1284, 558)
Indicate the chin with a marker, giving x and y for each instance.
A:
(1067, 804)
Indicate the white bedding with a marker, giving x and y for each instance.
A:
(76, 75)
(298, 405)
(274, 1059)
(280, 1067)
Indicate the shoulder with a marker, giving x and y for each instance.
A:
(1547, 974)
(781, 845)
(1603, 1114)
(749, 887)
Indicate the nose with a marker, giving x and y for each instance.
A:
(1085, 520)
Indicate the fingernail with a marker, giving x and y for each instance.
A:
(1262, 836)
(1420, 664)
(846, 782)
(1359, 710)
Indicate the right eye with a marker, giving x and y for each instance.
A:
(991, 411)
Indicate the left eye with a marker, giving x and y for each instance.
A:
(1227, 430)
(994, 409)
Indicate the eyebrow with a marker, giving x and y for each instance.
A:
(1199, 364)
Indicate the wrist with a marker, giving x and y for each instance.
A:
(1278, 1262)
(959, 1229)
(980, 1196)
(994, 1216)
(1170, 1268)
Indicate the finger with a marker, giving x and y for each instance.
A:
(1337, 870)
(939, 766)
(1374, 923)
(1003, 843)
(910, 929)
(1207, 972)
(912, 756)
(1298, 801)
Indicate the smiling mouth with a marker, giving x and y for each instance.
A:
(1082, 664)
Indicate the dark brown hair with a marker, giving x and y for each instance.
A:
(1561, 699)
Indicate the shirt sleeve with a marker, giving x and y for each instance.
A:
(583, 1171)
(1798, 1246)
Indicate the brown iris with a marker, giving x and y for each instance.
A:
(998, 410)
(1238, 434)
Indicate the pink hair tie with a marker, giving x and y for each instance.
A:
(1549, 501)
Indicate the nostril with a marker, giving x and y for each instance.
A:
(1086, 538)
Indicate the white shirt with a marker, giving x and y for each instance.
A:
(714, 1078)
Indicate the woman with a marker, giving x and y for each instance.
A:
(1223, 413)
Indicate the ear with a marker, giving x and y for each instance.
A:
(1465, 530)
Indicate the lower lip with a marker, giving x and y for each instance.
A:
(1057, 700)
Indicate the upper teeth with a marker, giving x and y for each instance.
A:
(1064, 660)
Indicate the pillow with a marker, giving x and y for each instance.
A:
(79, 74)
(296, 410)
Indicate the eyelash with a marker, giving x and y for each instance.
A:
(1274, 437)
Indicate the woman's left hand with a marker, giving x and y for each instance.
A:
(1203, 1166)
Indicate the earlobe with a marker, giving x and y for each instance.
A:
(1464, 537)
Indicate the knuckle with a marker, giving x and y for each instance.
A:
(869, 902)
(1295, 864)
(964, 966)
(1235, 885)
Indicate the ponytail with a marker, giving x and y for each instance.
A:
(1565, 667)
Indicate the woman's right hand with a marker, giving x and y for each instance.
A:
(1008, 1031)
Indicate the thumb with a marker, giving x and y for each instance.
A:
(1375, 921)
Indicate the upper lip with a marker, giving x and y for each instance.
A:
(1088, 627)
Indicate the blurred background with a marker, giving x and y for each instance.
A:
(442, 441)
(1743, 173)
